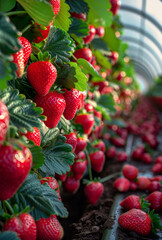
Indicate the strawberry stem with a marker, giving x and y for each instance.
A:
(37, 173)
(102, 180)
(15, 13)
(7, 205)
(89, 165)
(26, 28)
(74, 57)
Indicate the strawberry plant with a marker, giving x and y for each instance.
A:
(61, 87)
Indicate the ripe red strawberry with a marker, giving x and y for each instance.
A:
(136, 220)
(79, 16)
(41, 76)
(133, 201)
(81, 144)
(101, 85)
(155, 199)
(133, 186)
(56, 6)
(122, 157)
(100, 31)
(97, 160)
(122, 184)
(146, 157)
(43, 32)
(87, 122)
(157, 168)
(89, 38)
(115, 5)
(80, 155)
(85, 53)
(157, 178)
(53, 105)
(27, 49)
(18, 59)
(49, 229)
(137, 153)
(71, 184)
(111, 152)
(158, 159)
(114, 56)
(24, 225)
(79, 168)
(72, 99)
(88, 107)
(130, 172)
(154, 186)
(101, 145)
(14, 168)
(120, 76)
(71, 139)
(4, 121)
(52, 182)
(34, 136)
(61, 177)
(143, 183)
(93, 191)
(98, 114)
(118, 141)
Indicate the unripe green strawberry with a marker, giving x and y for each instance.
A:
(72, 99)
(41, 76)
(24, 225)
(49, 229)
(53, 105)
(4, 121)
(15, 165)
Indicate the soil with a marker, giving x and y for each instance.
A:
(90, 222)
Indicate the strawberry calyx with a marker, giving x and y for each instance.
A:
(155, 222)
(11, 212)
(41, 56)
(144, 204)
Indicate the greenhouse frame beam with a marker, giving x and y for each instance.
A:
(146, 46)
(142, 14)
(146, 34)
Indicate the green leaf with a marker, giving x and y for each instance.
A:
(23, 113)
(58, 157)
(42, 200)
(78, 6)
(81, 83)
(6, 6)
(62, 19)
(9, 236)
(50, 136)
(8, 36)
(38, 157)
(88, 68)
(112, 41)
(104, 111)
(59, 45)
(99, 44)
(99, 10)
(24, 87)
(79, 27)
(107, 102)
(40, 10)
(101, 60)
